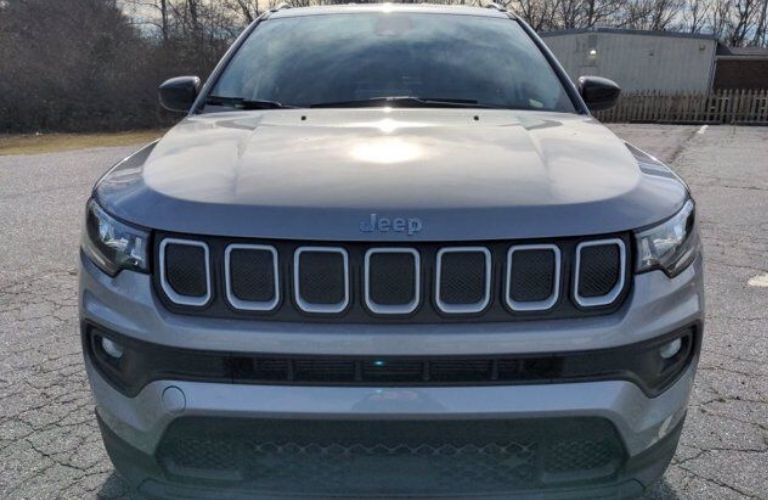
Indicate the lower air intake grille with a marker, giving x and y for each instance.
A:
(388, 458)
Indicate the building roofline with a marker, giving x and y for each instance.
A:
(625, 31)
(727, 57)
(742, 52)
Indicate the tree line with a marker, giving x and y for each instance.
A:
(91, 65)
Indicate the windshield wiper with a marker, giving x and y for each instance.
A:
(241, 103)
(404, 101)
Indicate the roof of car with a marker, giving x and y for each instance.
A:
(489, 11)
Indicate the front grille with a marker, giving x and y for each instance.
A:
(598, 271)
(463, 283)
(364, 283)
(355, 457)
(598, 279)
(185, 271)
(322, 279)
(392, 280)
(251, 277)
(533, 277)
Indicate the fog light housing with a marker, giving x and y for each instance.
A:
(669, 350)
(112, 348)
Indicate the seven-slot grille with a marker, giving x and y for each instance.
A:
(360, 282)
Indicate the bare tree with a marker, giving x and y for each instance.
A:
(744, 21)
(760, 32)
(663, 13)
(540, 14)
(597, 12)
(568, 13)
(719, 18)
(695, 13)
(654, 15)
(248, 9)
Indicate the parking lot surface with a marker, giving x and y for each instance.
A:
(49, 443)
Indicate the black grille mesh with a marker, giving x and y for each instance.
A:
(313, 281)
(386, 369)
(263, 369)
(252, 274)
(532, 275)
(312, 370)
(463, 370)
(390, 458)
(570, 455)
(185, 269)
(321, 277)
(392, 278)
(599, 270)
(462, 278)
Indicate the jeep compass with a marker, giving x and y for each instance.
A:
(389, 252)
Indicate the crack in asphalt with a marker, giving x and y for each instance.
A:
(682, 146)
(719, 483)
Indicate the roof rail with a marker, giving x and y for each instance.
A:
(492, 5)
(280, 6)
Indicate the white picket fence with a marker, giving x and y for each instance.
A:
(725, 106)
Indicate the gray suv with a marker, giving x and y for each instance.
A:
(389, 253)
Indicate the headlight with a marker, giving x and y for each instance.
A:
(671, 246)
(113, 245)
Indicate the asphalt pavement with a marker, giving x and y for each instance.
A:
(49, 443)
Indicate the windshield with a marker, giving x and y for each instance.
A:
(320, 60)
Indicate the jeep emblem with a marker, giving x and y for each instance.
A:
(410, 225)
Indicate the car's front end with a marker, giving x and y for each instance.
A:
(391, 303)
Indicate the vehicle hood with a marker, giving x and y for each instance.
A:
(449, 174)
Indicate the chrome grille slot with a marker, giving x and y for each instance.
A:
(392, 280)
(185, 271)
(252, 277)
(533, 277)
(463, 280)
(321, 279)
(599, 272)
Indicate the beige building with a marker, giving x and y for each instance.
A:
(638, 60)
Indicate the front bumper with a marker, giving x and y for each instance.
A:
(295, 468)
(646, 427)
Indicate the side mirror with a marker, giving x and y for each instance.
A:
(598, 92)
(178, 94)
